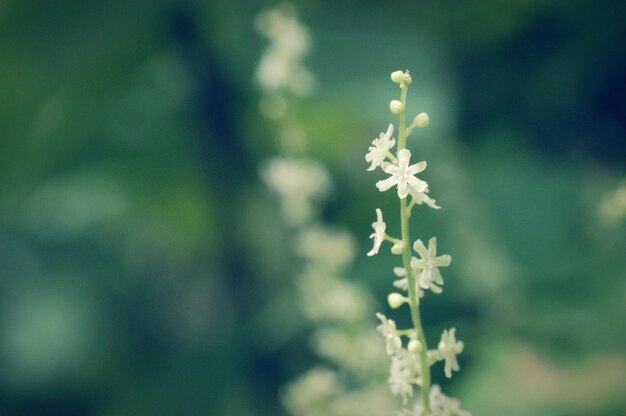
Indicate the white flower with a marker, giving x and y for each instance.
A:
(379, 232)
(326, 247)
(379, 148)
(299, 184)
(388, 330)
(440, 405)
(318, 385)
(403, 283)
(402, 175)
(420, 198)
(280, 67)
(400, 378)
(448, 349)
(429, 276)
(404, 372)
(326, 298)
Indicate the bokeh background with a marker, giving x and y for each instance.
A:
(144, 269)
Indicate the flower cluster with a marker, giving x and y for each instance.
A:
(337, 310)
(440, 405)
(280, 71)
(410, 361)
(613, 206)
(299, 184)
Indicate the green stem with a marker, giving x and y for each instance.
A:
(406, 260)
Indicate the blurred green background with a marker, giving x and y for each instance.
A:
(144, 269)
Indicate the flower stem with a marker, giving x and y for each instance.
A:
(406, 260)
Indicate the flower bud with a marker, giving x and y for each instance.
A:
(397, 248)
(421, 120)
(397, 77)
(414, 346)
(396, 106)
(395, 300)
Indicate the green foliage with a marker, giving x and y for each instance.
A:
(129, 145)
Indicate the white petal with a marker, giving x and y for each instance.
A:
(416, 168)
(443, 261)
(430, 202)
(399, 271)
(404, 157)
(403, 190)
(389, 168)
(432, 246)
(386, 184)
(420, 248)
(436, 276)
(417, 184)
(389, 131)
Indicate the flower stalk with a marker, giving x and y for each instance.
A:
(406, 262)
(410, 366)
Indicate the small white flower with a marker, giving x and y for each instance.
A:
(379, 148)
(402, 175)
(280, 68)
(403, 283)
(299, 184)
(388, 330)
(400, 377)
(440, 405)
(318, 385)
(422, 198)
(429, 263)
(326, 247)
(448, 349)
(379, 232)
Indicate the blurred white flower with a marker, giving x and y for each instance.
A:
(428, 265)
(402, 175)
(420, 198)
(404, 372)
(299, 184)
(379, 232)
(329, 298)
(400, 378)
(403, 283)
(613, 206)
(379, 148)
(279, 67)
(440, 405)
(388, 330)
(315, 388)
(326, 247)
(356, 350)
(448, 349)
